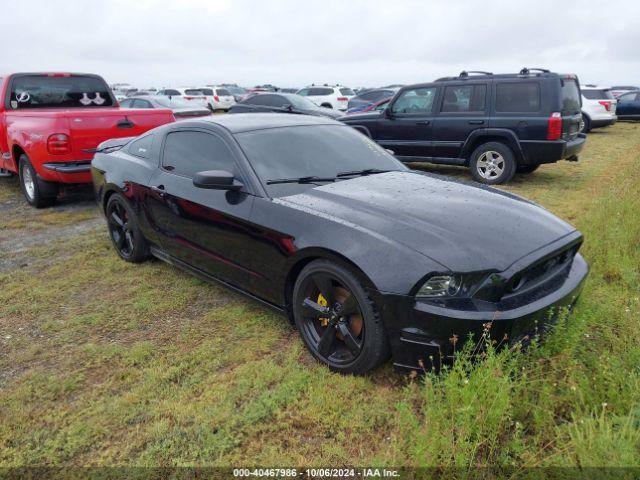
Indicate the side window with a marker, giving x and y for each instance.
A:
(627, 97)
(142, 147)
(518, 97)
(464, 98)
(171, 92)
(320, 92)
(415, 100)
(126, 103)
(187, 153)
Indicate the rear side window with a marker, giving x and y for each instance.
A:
(570, 95)
(518, 97)
(464, 98)
(187, 153)
(346, 91)
(171, 92)
(207, 91)
(415, 100)
(597, 94)
(43, 91)
(141, 147)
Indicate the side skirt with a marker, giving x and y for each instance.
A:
(165, 257)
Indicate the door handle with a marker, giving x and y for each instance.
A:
(159, 190)
(126, 123)
(476, 122)
(423, 122)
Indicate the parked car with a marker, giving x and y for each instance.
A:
(191, 94)
(282, 103)
(336, 97)
(50, 123)
(629, 106)
(218, 98)
(493, 124)
(182, 109)
(315, 220)
(367, 98)
(238, 92)
(598, 107)
(619, 90)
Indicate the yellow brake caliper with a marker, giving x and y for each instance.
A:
(323, 303)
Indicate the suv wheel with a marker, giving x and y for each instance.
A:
(492, 163)
(38, 193)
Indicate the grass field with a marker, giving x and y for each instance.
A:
(107, 363)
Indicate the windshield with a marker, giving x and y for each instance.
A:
(570, 95)
(68, 91)
(302, 103)
(311, 150)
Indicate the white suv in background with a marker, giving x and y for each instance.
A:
(186, 93)
(218, 98)
(598, 107)
(330, 96)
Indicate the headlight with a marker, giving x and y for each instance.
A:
(440, 286)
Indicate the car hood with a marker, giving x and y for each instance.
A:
(461, 226)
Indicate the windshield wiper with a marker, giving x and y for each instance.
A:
(366, 171)
(311, 179)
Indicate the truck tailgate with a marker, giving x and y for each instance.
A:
(90, 127)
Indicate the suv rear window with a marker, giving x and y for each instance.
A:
(518, 97)
(570, 95)
(223, 92)
(189, 91)
(346, 91)
(319, 92)
(597, 94)
(207, 91)
(43, 91)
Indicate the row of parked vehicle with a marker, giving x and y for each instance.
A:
(497, 125)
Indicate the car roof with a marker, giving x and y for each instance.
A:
(246, 122)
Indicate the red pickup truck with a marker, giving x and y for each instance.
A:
(51, 123)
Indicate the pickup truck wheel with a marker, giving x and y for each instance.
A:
(527, 168)
(124, 230)
(492, 163)
(38, 193)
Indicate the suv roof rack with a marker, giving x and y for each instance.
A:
(527, 71)
(465, 73)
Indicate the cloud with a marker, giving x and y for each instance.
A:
(295, 42)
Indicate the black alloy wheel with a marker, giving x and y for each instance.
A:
(337, 320)
(124, 232)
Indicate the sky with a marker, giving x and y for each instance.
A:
(293, 43)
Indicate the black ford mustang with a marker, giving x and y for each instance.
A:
(368, 258)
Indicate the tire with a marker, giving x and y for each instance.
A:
(587, 124)
(326, 337)
(124, 230)
(526, 168)
(38, 193)
(492, 163)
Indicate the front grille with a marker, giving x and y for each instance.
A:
(540, 272)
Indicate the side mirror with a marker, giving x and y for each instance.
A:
(388, 112)
(216, 180)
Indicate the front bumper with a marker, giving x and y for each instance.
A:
(422, 335)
